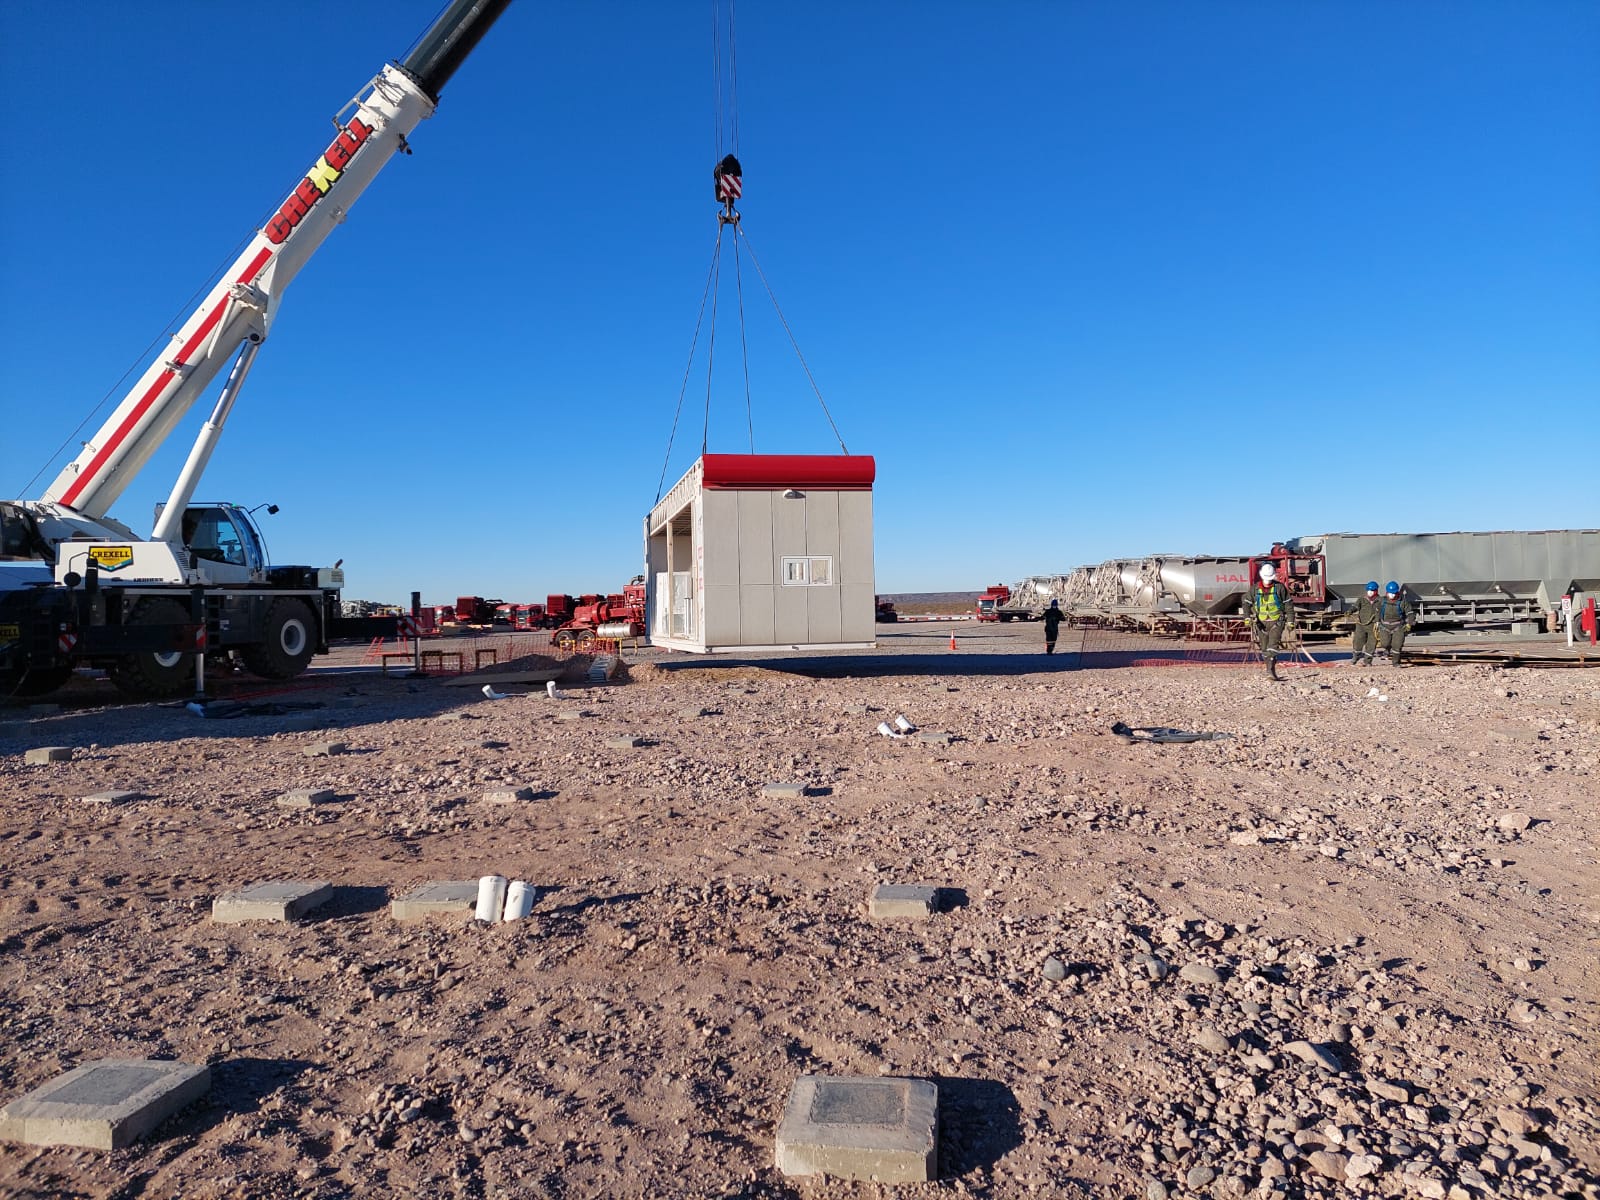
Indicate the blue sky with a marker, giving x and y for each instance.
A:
(1088, 280)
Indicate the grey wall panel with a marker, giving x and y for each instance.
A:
(823, 618)
(855, 538)
(790, 618)
(723, 552)
(723, 615)
(822, 524)
(756, 608)
(857, 612)
(757, 557)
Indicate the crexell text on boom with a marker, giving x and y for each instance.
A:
(323, 175)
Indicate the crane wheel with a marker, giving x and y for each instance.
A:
(288, 640)
(154, 675)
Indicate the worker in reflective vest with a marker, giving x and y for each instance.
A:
(1270, 615)
(1397, 616)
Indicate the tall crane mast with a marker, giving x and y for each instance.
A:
(237, 314)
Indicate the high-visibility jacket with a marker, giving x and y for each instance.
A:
(1270, 602)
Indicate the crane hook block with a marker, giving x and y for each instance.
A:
(730, 180)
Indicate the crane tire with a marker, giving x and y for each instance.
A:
(155, 675)
(288, 640)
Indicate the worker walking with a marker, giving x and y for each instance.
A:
(1397, 616)
(1364, 637)
(1053, 616)
(1270, 615)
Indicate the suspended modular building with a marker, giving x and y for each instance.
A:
(763, 552)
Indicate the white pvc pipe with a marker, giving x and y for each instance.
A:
(491, 897)
(519, 900)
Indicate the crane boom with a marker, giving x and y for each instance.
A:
(240, 308)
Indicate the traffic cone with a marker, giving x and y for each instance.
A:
(952, 641)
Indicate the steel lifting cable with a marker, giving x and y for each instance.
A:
(744, 344)
(694, 343)
(711, 341)
(805, 366)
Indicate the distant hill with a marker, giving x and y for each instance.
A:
(936, 603)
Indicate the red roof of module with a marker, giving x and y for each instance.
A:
(754, 472)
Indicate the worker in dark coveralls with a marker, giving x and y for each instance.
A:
(1364, 637)
(1053, 616)
(1270, 615)
(1396, 618)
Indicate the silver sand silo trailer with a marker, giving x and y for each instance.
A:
(1464, 578)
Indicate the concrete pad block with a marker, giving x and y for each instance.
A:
(508, 795)
(324, 749)
(306, 798)
(112, 797)
(570, 714)
(105, 1104)
(885, 1130)
(694, 712)
(40, 755)
(451, 897)
(787, 791)
(270, 901)
(903, 900)
(856, 710)
(625, 743)
(935, 737)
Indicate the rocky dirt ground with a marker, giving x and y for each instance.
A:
(1350, 950)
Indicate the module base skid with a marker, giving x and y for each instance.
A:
(696, 648)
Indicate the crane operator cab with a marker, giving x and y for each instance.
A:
(221, 533)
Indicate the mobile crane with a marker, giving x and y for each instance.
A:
(78, 587)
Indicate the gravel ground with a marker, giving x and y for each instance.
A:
(1349, 950)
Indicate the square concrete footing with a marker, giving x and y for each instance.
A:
(885, 1129)
(325, 749)
(450, 897)
(785, 791)
(270, 901)
(935, 737)
(306, 798)
(40, 755)
(625, 743)
(508, 795)
(570, 714)
(111, 797)
(903, 900)
(104, 1104)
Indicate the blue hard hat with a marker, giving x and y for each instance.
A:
(1392, 588)
(1372, 585)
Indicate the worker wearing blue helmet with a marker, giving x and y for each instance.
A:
(1364, 637)
(1396, 618)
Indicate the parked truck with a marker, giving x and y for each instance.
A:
(80, 588)
(989, 604)
(618, 615)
